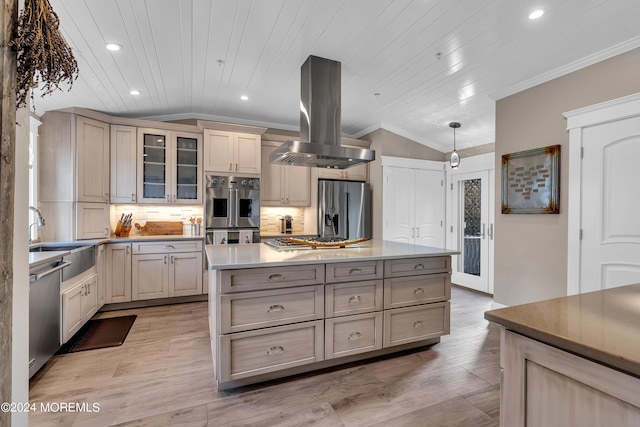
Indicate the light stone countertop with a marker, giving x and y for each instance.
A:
(262, 255)
(603, 326)
(37, 258)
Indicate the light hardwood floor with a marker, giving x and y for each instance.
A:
(163, 376)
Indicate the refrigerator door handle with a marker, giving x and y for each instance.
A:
(347, 234)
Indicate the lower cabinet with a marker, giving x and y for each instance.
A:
(162, 269)
(246, 354)
(269, 319)
(118, 274)
(344, 336)
(153, 269)
(79, 303)
(541, 385)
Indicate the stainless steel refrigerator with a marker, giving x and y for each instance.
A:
(344, 209)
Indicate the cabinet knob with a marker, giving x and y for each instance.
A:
(276, 349)
(275, 308)
(354, 336)
(354, 299)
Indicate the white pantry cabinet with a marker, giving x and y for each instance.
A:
(231, 152)
(73, 176)
(414, 204)
(283, 185)
(169, 167)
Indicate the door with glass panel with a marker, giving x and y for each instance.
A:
(169, 165)
(472, 230)
(154, 160)
(187, 182)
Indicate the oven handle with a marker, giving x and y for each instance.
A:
(234, 207)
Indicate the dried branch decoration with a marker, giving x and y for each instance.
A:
(42, 53)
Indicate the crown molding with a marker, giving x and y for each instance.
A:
(569, 68)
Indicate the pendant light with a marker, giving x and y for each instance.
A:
(454, 161)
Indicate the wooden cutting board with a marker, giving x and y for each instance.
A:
(156, 228)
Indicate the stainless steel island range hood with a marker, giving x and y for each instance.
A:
(319, 144)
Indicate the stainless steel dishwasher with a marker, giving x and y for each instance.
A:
(44, 312)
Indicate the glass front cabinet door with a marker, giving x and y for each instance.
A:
(169, 165)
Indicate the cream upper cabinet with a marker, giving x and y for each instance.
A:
(169, 165)
(123, 164)
(230, 152)
(92, 173)
(73, 176)
(284, 185)
(355, 173)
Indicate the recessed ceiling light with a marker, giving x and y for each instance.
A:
(134, 92)
(536, 14)
(244, 97)
(113, 46)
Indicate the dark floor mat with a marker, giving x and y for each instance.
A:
(99, 333)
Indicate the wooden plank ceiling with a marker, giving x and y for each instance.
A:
(430, 61)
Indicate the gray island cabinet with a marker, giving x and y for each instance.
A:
(571, 361)
(278, 313)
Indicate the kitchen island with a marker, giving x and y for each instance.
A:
(571, 361)
(276, 313)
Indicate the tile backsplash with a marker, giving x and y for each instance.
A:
(144, 213)
(270, 220)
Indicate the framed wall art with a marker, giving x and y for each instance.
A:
(531, 181)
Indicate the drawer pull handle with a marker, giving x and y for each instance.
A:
(276, 349)
(354, 336)
(275, 307)
(354, 299)
(418, 324)
(418, 291)
(419, 267)
(169, 247)
(275, 276)
(355, 270)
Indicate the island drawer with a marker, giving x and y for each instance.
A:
(414, 290)
(160, 247)
(351, 271)
(409, 324)
(416, 266)
(253, 310)
(352, 335)
(353, 297)
(246, 354)
(256, 279)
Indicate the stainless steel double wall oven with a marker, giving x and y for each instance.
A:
(232, 209)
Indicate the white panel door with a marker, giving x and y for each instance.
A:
(429, 208)
(398, 204)
(610, 205)
(472, 230)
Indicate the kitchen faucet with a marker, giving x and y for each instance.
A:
(39, 221)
